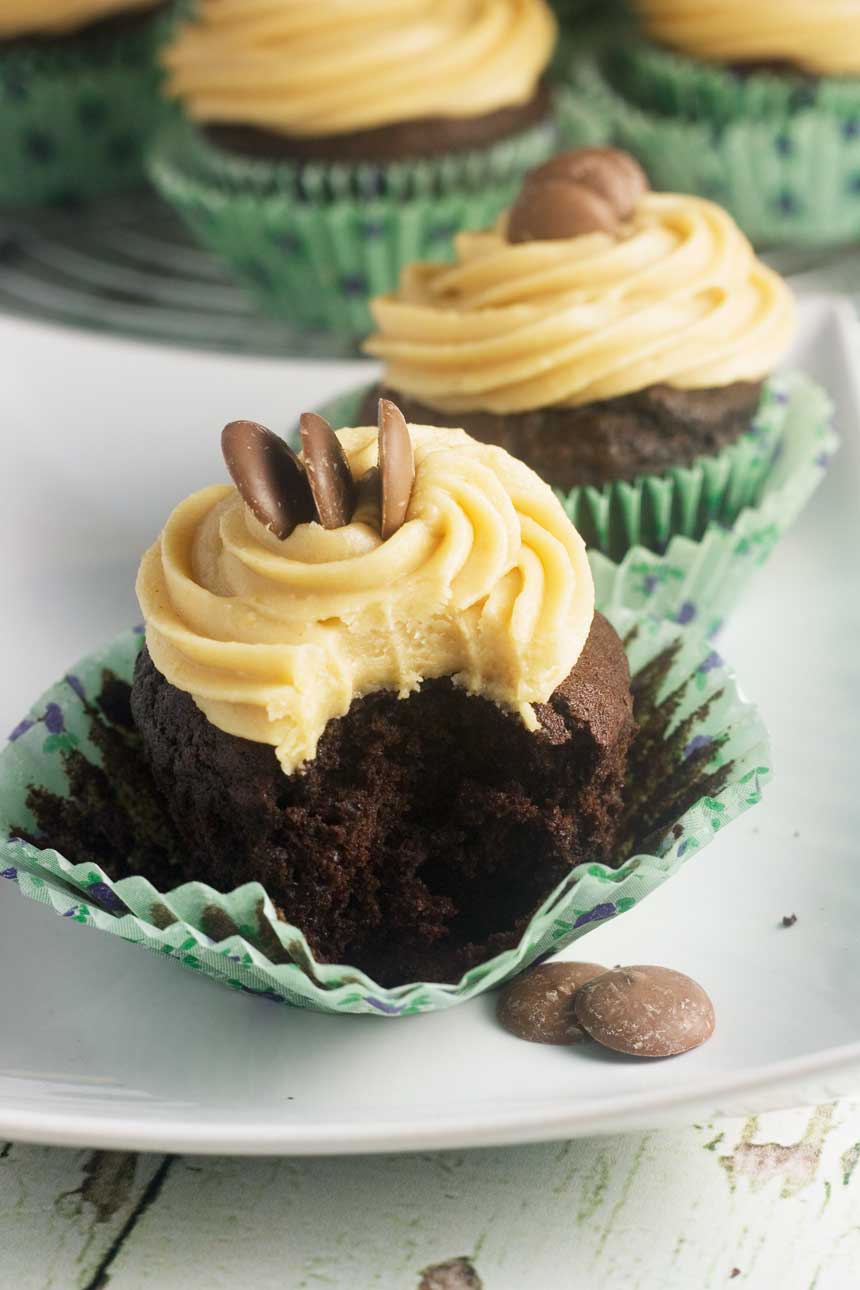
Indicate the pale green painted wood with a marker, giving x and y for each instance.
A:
(777, 1197)
(61, 1211)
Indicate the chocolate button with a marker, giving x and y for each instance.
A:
(645, 1011)
(538, 1005)
(613, 174)
(555, 209)
(396, 467)
(329, 475)
(269, 476)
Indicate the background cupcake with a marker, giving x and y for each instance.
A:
(79, 96)
(756, 106)
(617, 340)
(326, 145)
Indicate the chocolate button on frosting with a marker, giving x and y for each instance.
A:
(645, 1011)
(328, 471)
(396, 467)
(613, 174)
(538, 1005)
(269, 476)
(587, 190)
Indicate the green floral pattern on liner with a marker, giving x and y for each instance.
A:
(76, 116)
(748, 497)
(787, 178)
(313, 243)
(172, 923)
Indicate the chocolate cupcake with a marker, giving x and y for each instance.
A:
(374, 682)
(324, 146)
(617, 340)
(79, 96)
(755, 106)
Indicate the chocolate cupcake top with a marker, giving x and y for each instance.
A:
(274, 623)
(818, 35)
(589, 288)
(337, 66)
(58, 17)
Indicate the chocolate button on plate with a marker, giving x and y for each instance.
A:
(538, 1005)
(269, 476)
(645, 1011)
(328, 472)
(396, 467)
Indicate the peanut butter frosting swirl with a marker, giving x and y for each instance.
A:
(818, 35)
(336, 66)
(679, 297)
(59, 17)
(486, 581)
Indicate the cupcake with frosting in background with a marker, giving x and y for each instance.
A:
(622, 342)
(756, 106)
(79, 97)
(616, 339)
(323, 146)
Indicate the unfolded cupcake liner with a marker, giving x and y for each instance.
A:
(684, 545)
(313, 242)
(236, 938)
(783, 160)
(76, 115)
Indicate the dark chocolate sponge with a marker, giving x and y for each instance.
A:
(425, 832)
(421, 137)
(645, 433)
(93, 34)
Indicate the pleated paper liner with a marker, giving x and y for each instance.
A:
(314, 242)
(785, 162)
(76, 115)
(693, 536)
(709, 744)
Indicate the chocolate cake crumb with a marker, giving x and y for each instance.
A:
(425, 831)
(644, 433)
(116, 816)
(399, 140)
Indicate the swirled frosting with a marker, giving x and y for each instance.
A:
(340, 65)
(819, 35)
(678, 298)
(58, 17)
(487, 582)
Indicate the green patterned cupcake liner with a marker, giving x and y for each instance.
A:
(687, 500)
(314, 242)
(76, 115)
(713, 523)
(236, 937)
(787, 177)
(671, 84)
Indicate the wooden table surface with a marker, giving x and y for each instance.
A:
(767, 1202)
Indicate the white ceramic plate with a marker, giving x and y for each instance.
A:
(103, 1045)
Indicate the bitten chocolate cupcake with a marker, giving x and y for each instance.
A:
(374, 681)
(608, 336)
(79, 98)
(326, 144)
